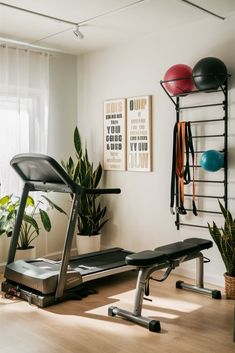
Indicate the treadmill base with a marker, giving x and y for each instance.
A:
(12, 289)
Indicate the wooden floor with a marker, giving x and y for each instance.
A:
(191, 323)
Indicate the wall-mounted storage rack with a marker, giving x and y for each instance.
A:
(179, 107)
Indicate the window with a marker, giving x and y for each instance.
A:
(24, 80)
(14, 139)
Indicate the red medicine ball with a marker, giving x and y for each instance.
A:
(179, 71)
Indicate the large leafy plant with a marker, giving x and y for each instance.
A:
(34, 211)
(82, 172)
(224, 238)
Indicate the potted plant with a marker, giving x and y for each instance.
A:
(91, 214)
(9, 205)
(224, 238)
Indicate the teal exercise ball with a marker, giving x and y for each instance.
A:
(212, 160)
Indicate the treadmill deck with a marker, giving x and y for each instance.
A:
(42, 274)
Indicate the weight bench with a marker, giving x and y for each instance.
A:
(169, 257)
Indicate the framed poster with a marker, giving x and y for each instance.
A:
(139, 141)
(115, 134)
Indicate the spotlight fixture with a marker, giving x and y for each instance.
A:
(78, 33)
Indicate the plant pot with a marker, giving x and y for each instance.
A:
(22, 254)
(229, 286)
(86, 243)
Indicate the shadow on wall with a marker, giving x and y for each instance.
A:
(226, 52)
(231, 156)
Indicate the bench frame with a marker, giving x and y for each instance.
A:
(144, 276)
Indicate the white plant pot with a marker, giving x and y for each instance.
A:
(86, 244)
(22, 254)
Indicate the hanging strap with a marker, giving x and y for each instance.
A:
(187, 174)
(178, 167)
(182, 147)
(191, 148)
(180, 172)
(173, 170)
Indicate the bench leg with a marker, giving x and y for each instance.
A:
(139, 291)
(199, 286)
(135, 316)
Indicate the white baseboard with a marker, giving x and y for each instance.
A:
(212, 279)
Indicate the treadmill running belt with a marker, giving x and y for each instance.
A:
(101, 262)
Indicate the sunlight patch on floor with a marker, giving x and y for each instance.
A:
(159, 307)
(151, 312)
(160, 302)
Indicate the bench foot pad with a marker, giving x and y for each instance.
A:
(151, 324)
(215, 294)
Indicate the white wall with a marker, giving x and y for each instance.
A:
(63, 105)
(140, 217)
(62, 121)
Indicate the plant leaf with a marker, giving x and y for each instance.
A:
(77, 142)
(30, 201)
(102, 224)
(45, 220)
(4, 200)
(97, 175)
(32, 222)
(76, 172)
(53, 205)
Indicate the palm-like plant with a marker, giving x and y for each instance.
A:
(9, 206)
(225, 240)
(81, 171)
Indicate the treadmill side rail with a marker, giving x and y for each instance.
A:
(38, 279)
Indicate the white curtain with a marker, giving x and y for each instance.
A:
(24, 94)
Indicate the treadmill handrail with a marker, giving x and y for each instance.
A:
(32, 164)
(102, 191)
(32, 168)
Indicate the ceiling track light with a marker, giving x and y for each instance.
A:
(77, 32)
(77, 25)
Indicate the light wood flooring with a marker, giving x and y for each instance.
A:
(191, 323)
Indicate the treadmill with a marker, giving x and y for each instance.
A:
(42, 281)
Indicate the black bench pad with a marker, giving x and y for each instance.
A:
(145, 258)
(201, 243)
(178, 249)
(168, 252)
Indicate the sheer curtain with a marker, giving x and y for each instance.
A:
(24, 94)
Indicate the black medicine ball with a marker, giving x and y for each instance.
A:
(209, 73)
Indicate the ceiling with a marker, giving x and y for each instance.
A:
(103, 22)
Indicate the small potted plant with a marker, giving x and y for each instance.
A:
(9, 205)
(91, 216)
(224, 238)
